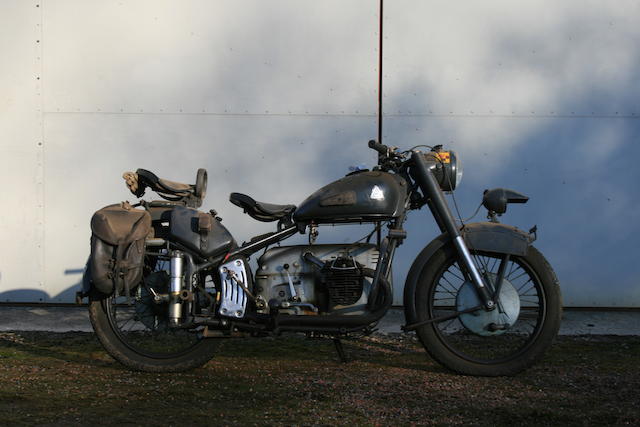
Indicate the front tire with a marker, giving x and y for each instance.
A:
(476, 343)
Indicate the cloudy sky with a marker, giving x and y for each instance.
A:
(278, 98)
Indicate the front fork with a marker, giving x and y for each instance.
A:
(421, 173)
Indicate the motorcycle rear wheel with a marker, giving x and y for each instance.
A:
(469, 344)
(141, 341)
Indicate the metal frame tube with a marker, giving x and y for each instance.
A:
(256, 246)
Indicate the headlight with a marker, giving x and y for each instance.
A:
(457, 168)
(446, 168)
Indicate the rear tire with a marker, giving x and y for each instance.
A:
(439, 292)
(143, 349)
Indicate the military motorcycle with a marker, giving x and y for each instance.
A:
(165, 280)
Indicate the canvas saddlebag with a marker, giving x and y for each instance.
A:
(118, 235)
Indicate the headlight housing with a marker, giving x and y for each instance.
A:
(446, 167)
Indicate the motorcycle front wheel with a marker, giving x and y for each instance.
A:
(503, 341)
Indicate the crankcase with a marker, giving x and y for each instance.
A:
(284, 276)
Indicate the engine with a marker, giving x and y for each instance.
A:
(290, 284)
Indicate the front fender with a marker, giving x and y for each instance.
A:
(496, 237)
(480, 236)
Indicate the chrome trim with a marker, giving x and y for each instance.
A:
(175, 286)
(234, 299)
(155, 242)
(468, 261)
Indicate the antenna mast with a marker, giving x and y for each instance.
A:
(380, 76)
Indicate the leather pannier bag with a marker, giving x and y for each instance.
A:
(117, 248)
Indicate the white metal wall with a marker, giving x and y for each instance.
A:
(277, 98)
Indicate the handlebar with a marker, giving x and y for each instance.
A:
(380, 148)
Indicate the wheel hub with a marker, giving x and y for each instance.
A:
(494, 322)
(148, 312)
(151, 313)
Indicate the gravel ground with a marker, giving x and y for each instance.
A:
(66, 378)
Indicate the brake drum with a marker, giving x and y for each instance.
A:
(488, 323)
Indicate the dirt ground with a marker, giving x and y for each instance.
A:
(66, 378)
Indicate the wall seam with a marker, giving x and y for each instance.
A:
(40, 146)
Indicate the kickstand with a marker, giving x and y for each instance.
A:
(340, 350)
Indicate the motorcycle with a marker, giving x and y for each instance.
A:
(165, 280)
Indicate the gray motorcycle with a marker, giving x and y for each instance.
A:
(165, 280)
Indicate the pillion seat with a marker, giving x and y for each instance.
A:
(265, 212)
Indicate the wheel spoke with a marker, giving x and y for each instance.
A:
(455, 275)
(452, 288)
(493, 266)
(512, 270)
(524, 284)
(480, 262)
(449, 324)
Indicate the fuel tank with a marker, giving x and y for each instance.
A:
(358, 197)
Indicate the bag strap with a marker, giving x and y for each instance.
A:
(121, 268)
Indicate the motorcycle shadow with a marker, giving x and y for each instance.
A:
(76, 347)
(83, 348)
(393, 351)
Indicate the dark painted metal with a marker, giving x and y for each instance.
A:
(436, 216)
(414, 326)
(501, 270)
(364, 197)
(260, 244)
(185, 228)
(490, 237)
(495, 237)
(496, 200)
(421, 173)
(387, 251)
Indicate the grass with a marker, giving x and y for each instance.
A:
(66, 378)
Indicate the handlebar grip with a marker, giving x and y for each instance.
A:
(380, 148)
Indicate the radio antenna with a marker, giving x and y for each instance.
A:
(380, 76)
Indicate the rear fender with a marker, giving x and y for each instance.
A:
(480, 236)
(87, 289)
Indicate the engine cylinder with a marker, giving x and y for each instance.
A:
(344, 281)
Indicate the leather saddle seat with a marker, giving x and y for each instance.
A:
(166, 186)
(265, 212)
